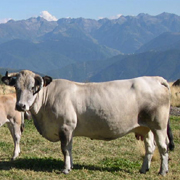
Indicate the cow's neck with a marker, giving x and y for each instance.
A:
(38, 103)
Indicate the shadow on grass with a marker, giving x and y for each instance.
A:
(35, 164)
(49, 165)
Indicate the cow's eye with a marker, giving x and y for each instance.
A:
(33, 88)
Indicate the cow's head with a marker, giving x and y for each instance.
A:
(27, 85)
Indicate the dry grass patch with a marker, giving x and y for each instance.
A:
(6, 89)
(175, 95)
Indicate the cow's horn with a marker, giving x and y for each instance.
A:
(11, 74)
(8, 79)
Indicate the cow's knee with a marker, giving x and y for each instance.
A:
(65, 135)
(66, 147)
(16, 152)
(16, 135)
(162, 142)
(149, 150)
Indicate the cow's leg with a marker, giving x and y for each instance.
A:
(15, 130)
(162, 143)
(149, 149)
(66, 147)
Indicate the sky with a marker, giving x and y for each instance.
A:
(93, 9)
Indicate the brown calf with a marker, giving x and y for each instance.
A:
(13, 118)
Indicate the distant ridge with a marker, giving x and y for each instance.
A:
(94, 50)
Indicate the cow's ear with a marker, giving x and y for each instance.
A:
(10, 81)
(47, 80)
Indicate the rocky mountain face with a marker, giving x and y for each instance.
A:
(126, 34)
(96, 50)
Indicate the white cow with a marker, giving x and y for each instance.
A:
(62, 109)
(13, 118)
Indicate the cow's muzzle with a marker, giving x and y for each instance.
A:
(20, 107)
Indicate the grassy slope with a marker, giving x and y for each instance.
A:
(118, 159)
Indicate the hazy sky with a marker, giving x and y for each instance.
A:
(94, 9)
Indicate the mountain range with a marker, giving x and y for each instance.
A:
(93, 50)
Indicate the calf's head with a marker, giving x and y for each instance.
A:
(27, 85)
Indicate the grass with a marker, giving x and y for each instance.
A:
(93, 160)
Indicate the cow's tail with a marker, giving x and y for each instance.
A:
(170, 136)
(164, 83)
(22, 122)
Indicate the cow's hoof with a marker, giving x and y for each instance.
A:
(65, 171)
(163, 173)
(143, 171)
(13, 158)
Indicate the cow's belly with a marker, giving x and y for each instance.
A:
(95, 124)
(106, 129)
